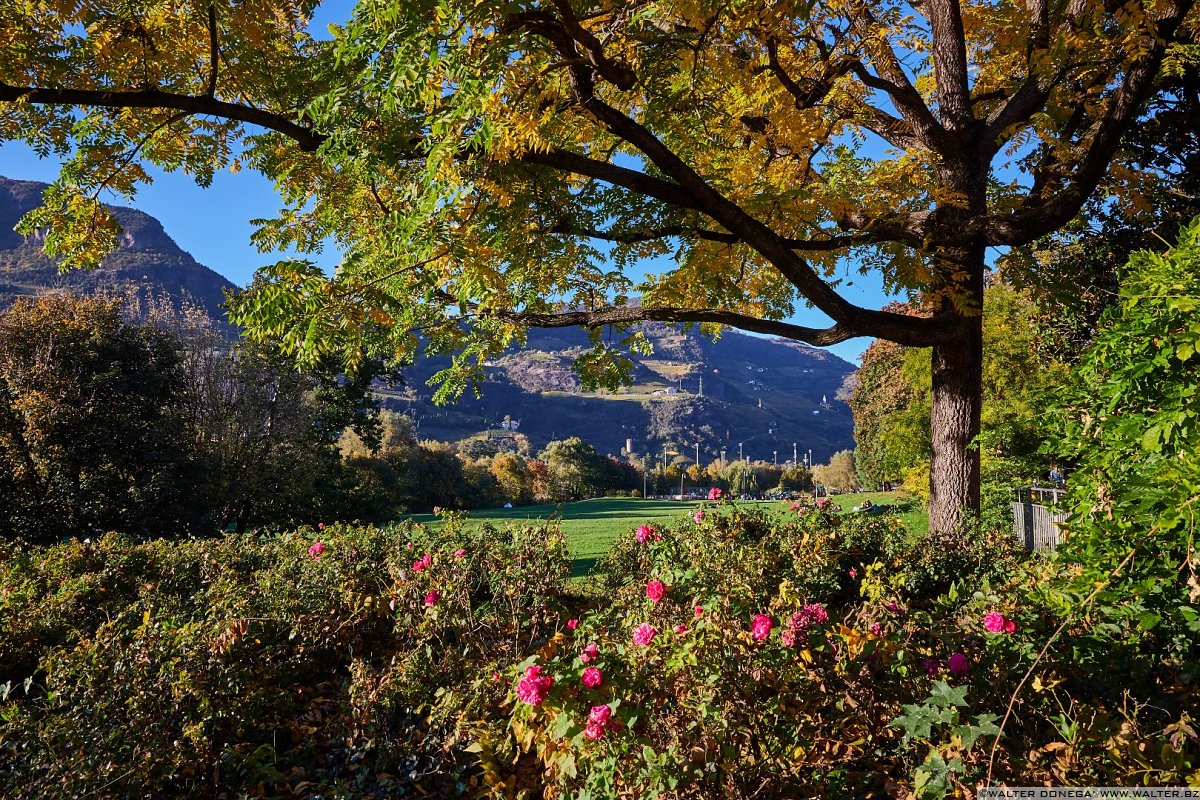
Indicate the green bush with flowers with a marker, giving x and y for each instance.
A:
(736, 653)
(337, 662)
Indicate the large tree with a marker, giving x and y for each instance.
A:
(494, 165)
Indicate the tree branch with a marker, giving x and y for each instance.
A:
(633, 314)
(638, 235)
(1043, 213)
(214, 50)
(307, 139)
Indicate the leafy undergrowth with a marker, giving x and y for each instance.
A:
(733, 653)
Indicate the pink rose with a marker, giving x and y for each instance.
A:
(655, 591)
(824, 503)
(681, 629)
(600, 721)
(698, 611)
(572, 624)
(410, 545)
(427, 560)
(1010, 626)
(698, 515)
(993, 622)
(761, 626)
(432, 597)
(320, 526)
(589, 653)
(644, 634)
(592, 677)
(892, 607)
(852, 572)
(316, 550)
(418, 566)
(644, 533)
(600, 714)
(459, 553)
(811, 614)
(788, 637)
(495, 677)
(958, 664)
(533, 687)
(715, 493)
(876, 629)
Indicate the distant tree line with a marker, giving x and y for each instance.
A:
(148, 421)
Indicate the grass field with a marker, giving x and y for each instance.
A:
(591, 525)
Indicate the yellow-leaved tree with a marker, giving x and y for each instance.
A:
(489, 166)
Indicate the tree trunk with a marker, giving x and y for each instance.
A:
(954, 423)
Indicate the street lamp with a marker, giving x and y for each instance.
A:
(775, 454)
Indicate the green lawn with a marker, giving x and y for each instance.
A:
(591, 525)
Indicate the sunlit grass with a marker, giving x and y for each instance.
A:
(591, 526)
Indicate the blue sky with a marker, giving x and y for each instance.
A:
(213, 223)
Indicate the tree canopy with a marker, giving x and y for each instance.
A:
(489, 166)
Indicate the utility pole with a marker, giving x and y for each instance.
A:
(795, 456)
(702, 384)
(697, 454)
(740, 456)
(722, 457)
(775, 453)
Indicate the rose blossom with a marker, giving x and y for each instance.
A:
(600, 721)
(761, 626)
(811, 614)
(427, 560)
(418, 565)
(644, 634)
(572, 624)
(852, 572)
(698, 611)
(590, 652)
(644, 533)
(655, 591)
(316, 550)
(459, 553)
(996, 622)
(698, 515)
(432, 597)
(533, 687)
(320, 526)
(958, 664)
(592, 677)
(681, 629)
(788, 637)
(715, 493)
(876, 629)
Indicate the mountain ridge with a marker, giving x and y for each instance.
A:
(765, 393)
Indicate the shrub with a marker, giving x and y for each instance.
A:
(247, 662)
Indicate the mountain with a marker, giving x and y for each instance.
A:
(765, 393)
(146, 261)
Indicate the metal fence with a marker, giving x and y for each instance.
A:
(1036, 517)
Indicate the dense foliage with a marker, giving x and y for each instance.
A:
(735, 653)
(1132, 422)
(88, 442)
(162, 427)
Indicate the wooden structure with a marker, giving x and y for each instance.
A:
(1036, 516)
